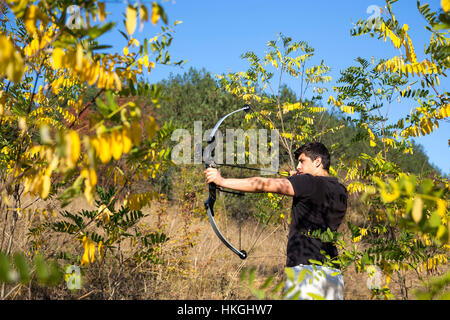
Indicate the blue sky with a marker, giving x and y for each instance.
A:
(214, 34)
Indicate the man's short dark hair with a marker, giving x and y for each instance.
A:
(313, 150)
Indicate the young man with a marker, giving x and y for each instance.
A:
(319, 202)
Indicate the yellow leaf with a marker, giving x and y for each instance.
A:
(117, 81)
(151, 65)
(104, 214)
(388, 279)
(119, 178)
(93, 75)
(31, 16)
(145, 61)
(441, 231)
(143, 14)
(389, 197)
(131, 19)
(79, 58)
(57, 58)
(84, 173)
(100, 249)
(95, 143)
(101, 81)
(92, 177)
(116, 144)
(88, 192)
(126, 138)
(105, 148)
(409, 49)
(136, 132)
(417, 209)
(134, 42)
(101, 11)
(11, 62)
(444, 111)
(101, 78)
(155, 13)
(73, 146)
(22, 124)
(89, 251)
(151, 127)
(445, 4)
(45, 213)
(45, 187)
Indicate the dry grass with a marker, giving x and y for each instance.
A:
(196, 265)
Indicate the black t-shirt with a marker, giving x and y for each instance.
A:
(319, 203)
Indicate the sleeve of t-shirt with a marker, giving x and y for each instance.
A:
(302, 184)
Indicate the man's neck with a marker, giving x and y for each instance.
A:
(321, 173)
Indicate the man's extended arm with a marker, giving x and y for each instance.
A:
(255, 184)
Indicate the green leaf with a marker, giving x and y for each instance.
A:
(124, 35)
(267, 283)
(163, 14)
(71, 192)
(42, 271)
(257, 293)
(315, 262)
(22, 266)
(290, 274)
(112, 105)
(315, 296)
(278, 288)
(100, 47)
(95, 32)
(435, 220)
(302, 275)
(4, 267)
(427, 186)
(55, 274)
(252, 275)
(102, 107)
(296, 295)
(288, 291)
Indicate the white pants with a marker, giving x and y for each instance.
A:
(312, 282)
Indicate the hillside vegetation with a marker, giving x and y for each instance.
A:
(94, 206)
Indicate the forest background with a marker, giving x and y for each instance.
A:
(94, 208)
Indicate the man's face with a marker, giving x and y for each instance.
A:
(306, 165)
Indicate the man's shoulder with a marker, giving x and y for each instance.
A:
(333, 182)
(323, 179)
(302, 176)
(310, 180)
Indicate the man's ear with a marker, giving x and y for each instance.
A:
(318, 161)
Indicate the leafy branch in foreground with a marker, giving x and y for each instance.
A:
(18, 269)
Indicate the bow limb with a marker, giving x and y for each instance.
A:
(209, 204)
(246, 108)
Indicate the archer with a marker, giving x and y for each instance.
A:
(319, 202)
